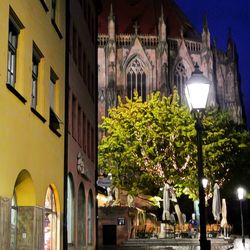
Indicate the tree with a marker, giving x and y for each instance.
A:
(149, 143)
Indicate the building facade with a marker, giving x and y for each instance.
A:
(150, 45)
(32, 87)
(82, 124)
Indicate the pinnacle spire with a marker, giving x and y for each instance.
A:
(205, 23)
(162, 13)
(111, 14)
(111, 10)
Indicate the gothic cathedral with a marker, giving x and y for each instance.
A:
(150, 45)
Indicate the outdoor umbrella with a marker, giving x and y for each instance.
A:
(216, 208)
(224, 216)
(166, 203)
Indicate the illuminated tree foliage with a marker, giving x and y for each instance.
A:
(149, 143)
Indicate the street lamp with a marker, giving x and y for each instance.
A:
(196, 91)
(241, 196)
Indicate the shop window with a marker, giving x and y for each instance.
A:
(70, 210)
(50, 221)
(13, 219)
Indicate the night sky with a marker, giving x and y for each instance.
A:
(222, 15)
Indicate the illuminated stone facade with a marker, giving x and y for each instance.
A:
(159, 53)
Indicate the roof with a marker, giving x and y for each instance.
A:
(146, 14)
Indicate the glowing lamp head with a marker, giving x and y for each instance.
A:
(204, 182)
(197, 89)
(241, 193)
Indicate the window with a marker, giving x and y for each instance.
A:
(88, 77)
(80, 56)
(53, 10)
(70, 210)
(88, 139)
(90, 219)
(136, 79)
(81, 217)
(35, 71)
(84, 66)
(180, 78)
(84, 132)
(13, 219)
(52, 90)
(74, 116)
(92, 145)
(12, 52)
(54, 119)
(50, 221)
(79, 125)
(74, 45)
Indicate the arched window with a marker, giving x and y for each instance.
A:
(13, 219)
(180, 78)
(136, 79)
(70, 210)
(81, 218)
(90, 219)
(50, 221)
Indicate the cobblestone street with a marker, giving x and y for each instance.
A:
(181, 245)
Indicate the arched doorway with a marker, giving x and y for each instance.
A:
(70, 209)
(90, 218)
(81, 218)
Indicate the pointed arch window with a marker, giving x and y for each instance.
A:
(180, 78)
(50, 221)
(136, 79)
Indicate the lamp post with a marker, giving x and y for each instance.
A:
(241, 195)
(196, 91)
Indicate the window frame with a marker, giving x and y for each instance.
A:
(36, 59)
(13, 37)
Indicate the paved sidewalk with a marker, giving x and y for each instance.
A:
(238, 245)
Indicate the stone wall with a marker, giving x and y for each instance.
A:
(5, 208)
(30, 234)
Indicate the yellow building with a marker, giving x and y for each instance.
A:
(32, 92)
